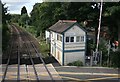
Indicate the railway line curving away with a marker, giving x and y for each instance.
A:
(23, 61)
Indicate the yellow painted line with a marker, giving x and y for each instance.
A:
(43, 74)
(55, 72)
(102, 78)
(73, 73)
(75, 79)
(71, 78)
(11, 77)
(87, 80)
(23, 77)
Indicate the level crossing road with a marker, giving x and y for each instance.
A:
(89, 74)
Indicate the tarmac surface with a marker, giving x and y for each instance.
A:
(88, 74)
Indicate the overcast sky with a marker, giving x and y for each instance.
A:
(14, 6)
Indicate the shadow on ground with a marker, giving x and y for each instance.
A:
(48, 60)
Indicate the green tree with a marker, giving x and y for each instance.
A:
(115, 59)
(15, 18)
(42, 16)
(5, 30)
(23, 10)
(113, 19)
(45, 14)
(24, 20)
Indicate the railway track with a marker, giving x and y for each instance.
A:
(29, 54)
(22, 48)
(13, 46)
(40, 57)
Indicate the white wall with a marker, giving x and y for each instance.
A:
(52, 35)
(47, 34)
(59, 57)
(75, 31)
(74, 56)
(74, 46)
(57, 46)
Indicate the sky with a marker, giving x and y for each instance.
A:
(15, 6)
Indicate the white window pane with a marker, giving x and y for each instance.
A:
(82, 38)
(77, 38)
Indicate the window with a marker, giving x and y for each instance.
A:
(67, 39)
(82, 38)
(77, 38)
(59, 37)
(52, 34)
(71, 39)
(58, 56)
(52, 50)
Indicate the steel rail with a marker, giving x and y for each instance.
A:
(29, 53)
(20, 33)
(18, 53)
(41, 59)
(32, 62)
(9, 57)
(26, 45)
(18, 73)
(3, 78)
(39, 55)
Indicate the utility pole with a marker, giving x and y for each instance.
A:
(98, 35)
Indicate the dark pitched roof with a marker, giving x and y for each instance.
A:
(62, 25)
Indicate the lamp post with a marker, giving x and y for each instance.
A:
(98, 34)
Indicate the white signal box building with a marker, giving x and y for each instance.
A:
(67, 41)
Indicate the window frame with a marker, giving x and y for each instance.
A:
(77, 39)
(59, 37)
(69, 39)
(72, 39)
(82, 39)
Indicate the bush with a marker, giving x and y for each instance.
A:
(76, 63)
(115, 59)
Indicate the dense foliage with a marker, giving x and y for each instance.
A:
(115, 59)
(24, 18)
(45, 14)
(113, 19)
(5, 30)
(14, 18)
(76, 63)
